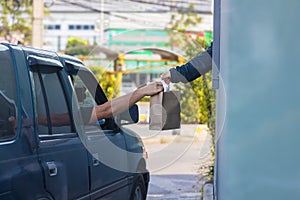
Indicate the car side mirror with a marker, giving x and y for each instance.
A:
(130, 116)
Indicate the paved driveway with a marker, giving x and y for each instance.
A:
(174, 161)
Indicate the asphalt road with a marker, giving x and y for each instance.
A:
(174, 161)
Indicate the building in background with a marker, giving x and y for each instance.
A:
(123, 25)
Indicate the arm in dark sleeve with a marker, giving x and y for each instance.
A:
(197, 66)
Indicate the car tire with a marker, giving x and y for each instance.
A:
(138, 191)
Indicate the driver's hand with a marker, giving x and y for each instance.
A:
(152, 88)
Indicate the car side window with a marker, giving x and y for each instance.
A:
(85, 99)
(53, 115)
(84, 96)
(90, 94)
(8, 97)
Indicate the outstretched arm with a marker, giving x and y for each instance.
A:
(197, 66)
(108, 109)
(120, 104)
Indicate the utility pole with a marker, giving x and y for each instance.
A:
(37, 23)
(101, 23)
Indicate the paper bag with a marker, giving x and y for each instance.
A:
(165, 111)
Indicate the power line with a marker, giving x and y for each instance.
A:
(83, 5)
(111, 13)
(169, 3)
(89, 5)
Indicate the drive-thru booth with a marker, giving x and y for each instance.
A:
(256, 52)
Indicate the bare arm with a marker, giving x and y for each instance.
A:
(120, 104)
(62, 119)
(108, 109)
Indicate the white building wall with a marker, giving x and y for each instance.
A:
(57, 39)
(122, 15)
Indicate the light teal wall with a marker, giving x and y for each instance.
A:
(258, 110)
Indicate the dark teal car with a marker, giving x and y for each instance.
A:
(48, 147)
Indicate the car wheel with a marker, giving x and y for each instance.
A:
(138, 189)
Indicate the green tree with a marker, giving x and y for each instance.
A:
(204, 96)
(16, 19)
(195, 95)
(76, 46)
(107, 81)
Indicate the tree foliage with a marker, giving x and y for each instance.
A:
(16, 20)
(107, 81)
(197, 99)
(204, 95)
(77, 42)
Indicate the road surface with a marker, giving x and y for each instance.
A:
(174, 161)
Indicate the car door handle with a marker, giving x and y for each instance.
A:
(52, 169)
(95, 159)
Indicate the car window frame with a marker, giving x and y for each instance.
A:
(60, 75)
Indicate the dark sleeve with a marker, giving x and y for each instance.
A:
(197, 66)
(184, 73)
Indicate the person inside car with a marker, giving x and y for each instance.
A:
(108, 109)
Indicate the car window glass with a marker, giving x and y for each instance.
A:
(86, 103)
(8, 97)
(84, 96)
(52, 110)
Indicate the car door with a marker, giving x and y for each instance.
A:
(104, 142)
(62, 155)
(20, 172)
